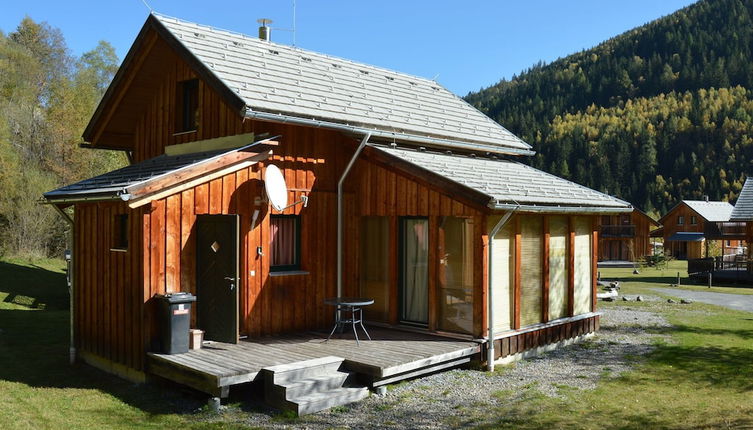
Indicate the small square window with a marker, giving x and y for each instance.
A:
(693, 220)
(680, 220)
(120, 232)
(285, 238)
(187, 106)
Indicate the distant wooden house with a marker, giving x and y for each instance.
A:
(691, 224)
(625, 237)
(423, 190)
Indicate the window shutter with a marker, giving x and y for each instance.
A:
(530, 263)
(583, 292)
(504, 275)
(558, 233)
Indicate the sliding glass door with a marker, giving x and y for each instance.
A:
(414, 270)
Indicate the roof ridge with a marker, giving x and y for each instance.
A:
(299, 49)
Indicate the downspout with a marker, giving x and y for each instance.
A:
(490, 293)
(364, 141)
(72, 345)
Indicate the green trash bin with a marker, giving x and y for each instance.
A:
(175, 315)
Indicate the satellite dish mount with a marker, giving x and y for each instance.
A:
(277, 191)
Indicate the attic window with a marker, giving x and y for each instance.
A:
(187, 106)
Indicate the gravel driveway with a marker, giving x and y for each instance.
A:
(462, 398)
(732, 301)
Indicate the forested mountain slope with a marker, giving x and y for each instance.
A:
(639, 116)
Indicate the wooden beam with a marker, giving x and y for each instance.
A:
(594, 260)
(141, 201)
(516, 291)
(545, 272)
(571, 266)
(204, 168)
(216, 144)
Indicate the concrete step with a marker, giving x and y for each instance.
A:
(289, 373)
(314, 384)
(328, 399)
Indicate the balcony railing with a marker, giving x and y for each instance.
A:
(617, 231)
(723, 230)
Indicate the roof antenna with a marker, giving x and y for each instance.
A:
(293, 22)
(147, 6)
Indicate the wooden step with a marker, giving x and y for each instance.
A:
(288, 373)
(328, 399)
(314, 384)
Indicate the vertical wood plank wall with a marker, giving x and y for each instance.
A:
(108, 285)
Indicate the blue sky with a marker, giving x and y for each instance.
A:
(465, 45)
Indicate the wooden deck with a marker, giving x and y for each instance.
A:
(391, 356)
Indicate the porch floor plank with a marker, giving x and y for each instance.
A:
(391, 353)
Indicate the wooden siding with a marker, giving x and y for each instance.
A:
(375, 188)
(107, 290)
(516, 343)
(626, 248)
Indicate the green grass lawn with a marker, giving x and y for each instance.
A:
(700, 377)
(40, 390)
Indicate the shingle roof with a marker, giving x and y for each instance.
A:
(111, 183)
(711, 211)
(510, 183)
(275, 78)
(744, 205)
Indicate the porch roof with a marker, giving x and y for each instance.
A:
(157, 174)
(686, 236)
(510, 184)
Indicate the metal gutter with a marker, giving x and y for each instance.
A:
(561, 209)
(352, 161)
(71, 244)
(287, 119)
(490, 287)
(54, 201)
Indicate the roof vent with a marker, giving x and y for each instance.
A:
(265, 31)
(705, 198)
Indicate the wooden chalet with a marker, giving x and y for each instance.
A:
(625, 237)
(434, 209)
(691, 224)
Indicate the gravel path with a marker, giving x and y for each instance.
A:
(462, 398)
(738, 302)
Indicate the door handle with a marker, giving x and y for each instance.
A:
(232, 282)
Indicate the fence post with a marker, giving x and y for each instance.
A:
(709, 279)
(678, 279)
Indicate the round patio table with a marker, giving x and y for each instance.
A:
(353, 306)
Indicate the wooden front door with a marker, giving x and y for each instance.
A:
(414, 271)
(217, 277)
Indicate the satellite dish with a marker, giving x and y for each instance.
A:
(274, 184)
